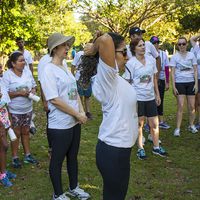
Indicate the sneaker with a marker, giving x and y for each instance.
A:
(89, 115)
(33, 130)
(197, 126)
(6, 182)
(61, 197)
(192, 129)
(30, 159)
(78, 192)
(177, 132)
(161, 152)
(10, 175)
(164, 125)
(150, 139)
(146, 128)
(16, 163)
(141, 154)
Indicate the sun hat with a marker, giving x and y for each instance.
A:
(154, 39)
(135, 30)
(57, 39)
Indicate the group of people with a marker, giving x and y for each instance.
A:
(127, 101)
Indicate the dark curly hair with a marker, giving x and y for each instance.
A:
(88, 64)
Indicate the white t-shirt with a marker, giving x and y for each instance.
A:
(196, 51)
(5, 99)
(150, 50)
(59, 83)
(119, 127)
(19, 105)
(184, 67)
(76, 62)
(143, 77)
(164, 63)
(43, 61)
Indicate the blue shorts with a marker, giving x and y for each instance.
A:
(84, 92)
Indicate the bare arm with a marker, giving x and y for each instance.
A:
(157, 94)
(195, 79)
(105, 46)
(175, 91)
(193, 39)
(73, 68)
(31, 67)
(22, 93)
(158, 65)
(61, 105)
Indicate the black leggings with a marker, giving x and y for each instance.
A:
(161, 88)
(65, 143)
(114, 166)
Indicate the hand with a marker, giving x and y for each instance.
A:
(89, 49)
(24, 93)
(81, 117)
(158, 100)
(175, 92)
(33, 91)
(166, 86)
(195, 88)
(45, 106)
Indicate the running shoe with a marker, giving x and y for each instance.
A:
(10, 175)
(192, 129)
(164, 125)
(197, 126)
(141, 154)
(177, 132)
(16, 163)
(159, 151)
(146, 128)
(6, 182)
(61, 197)
(79, 193)
(150, 139)
(30, 159)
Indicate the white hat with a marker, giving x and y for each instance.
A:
(56, 39)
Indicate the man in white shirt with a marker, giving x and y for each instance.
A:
(27, 55)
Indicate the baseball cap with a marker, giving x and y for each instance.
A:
(135, 30)
(154, 39)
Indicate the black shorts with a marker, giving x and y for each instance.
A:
(185, 88)
(147, 108)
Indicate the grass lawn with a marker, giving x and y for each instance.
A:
(176, 177)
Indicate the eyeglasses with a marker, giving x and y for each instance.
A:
(123, 52)
(181, 44)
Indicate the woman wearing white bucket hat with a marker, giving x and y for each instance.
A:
(64, 118)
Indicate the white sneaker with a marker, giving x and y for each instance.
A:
(61, 197)
(177, 132)
(192, 129)
(78, 192)
(150, 139)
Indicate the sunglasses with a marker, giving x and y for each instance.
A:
(123, 52)
(181, 44)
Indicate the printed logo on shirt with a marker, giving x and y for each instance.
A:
(186, 66)
(73, 93)
(145, 79)
(22, 88)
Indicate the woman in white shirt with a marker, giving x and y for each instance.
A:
(143, 72)
(118, 130)
(185, 83)
(64, 117)
(20, 83)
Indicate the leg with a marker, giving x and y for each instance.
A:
(154, 127)
(198, 102)
(191, 108)
(72, 162)
(25, 137)
(161, 87)
(140, 131)
(87, 104)
(114, 166)
(179, 114)
(15, 144)
(60, 141)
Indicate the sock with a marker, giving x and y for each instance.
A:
(156, 147)
(28, 154)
